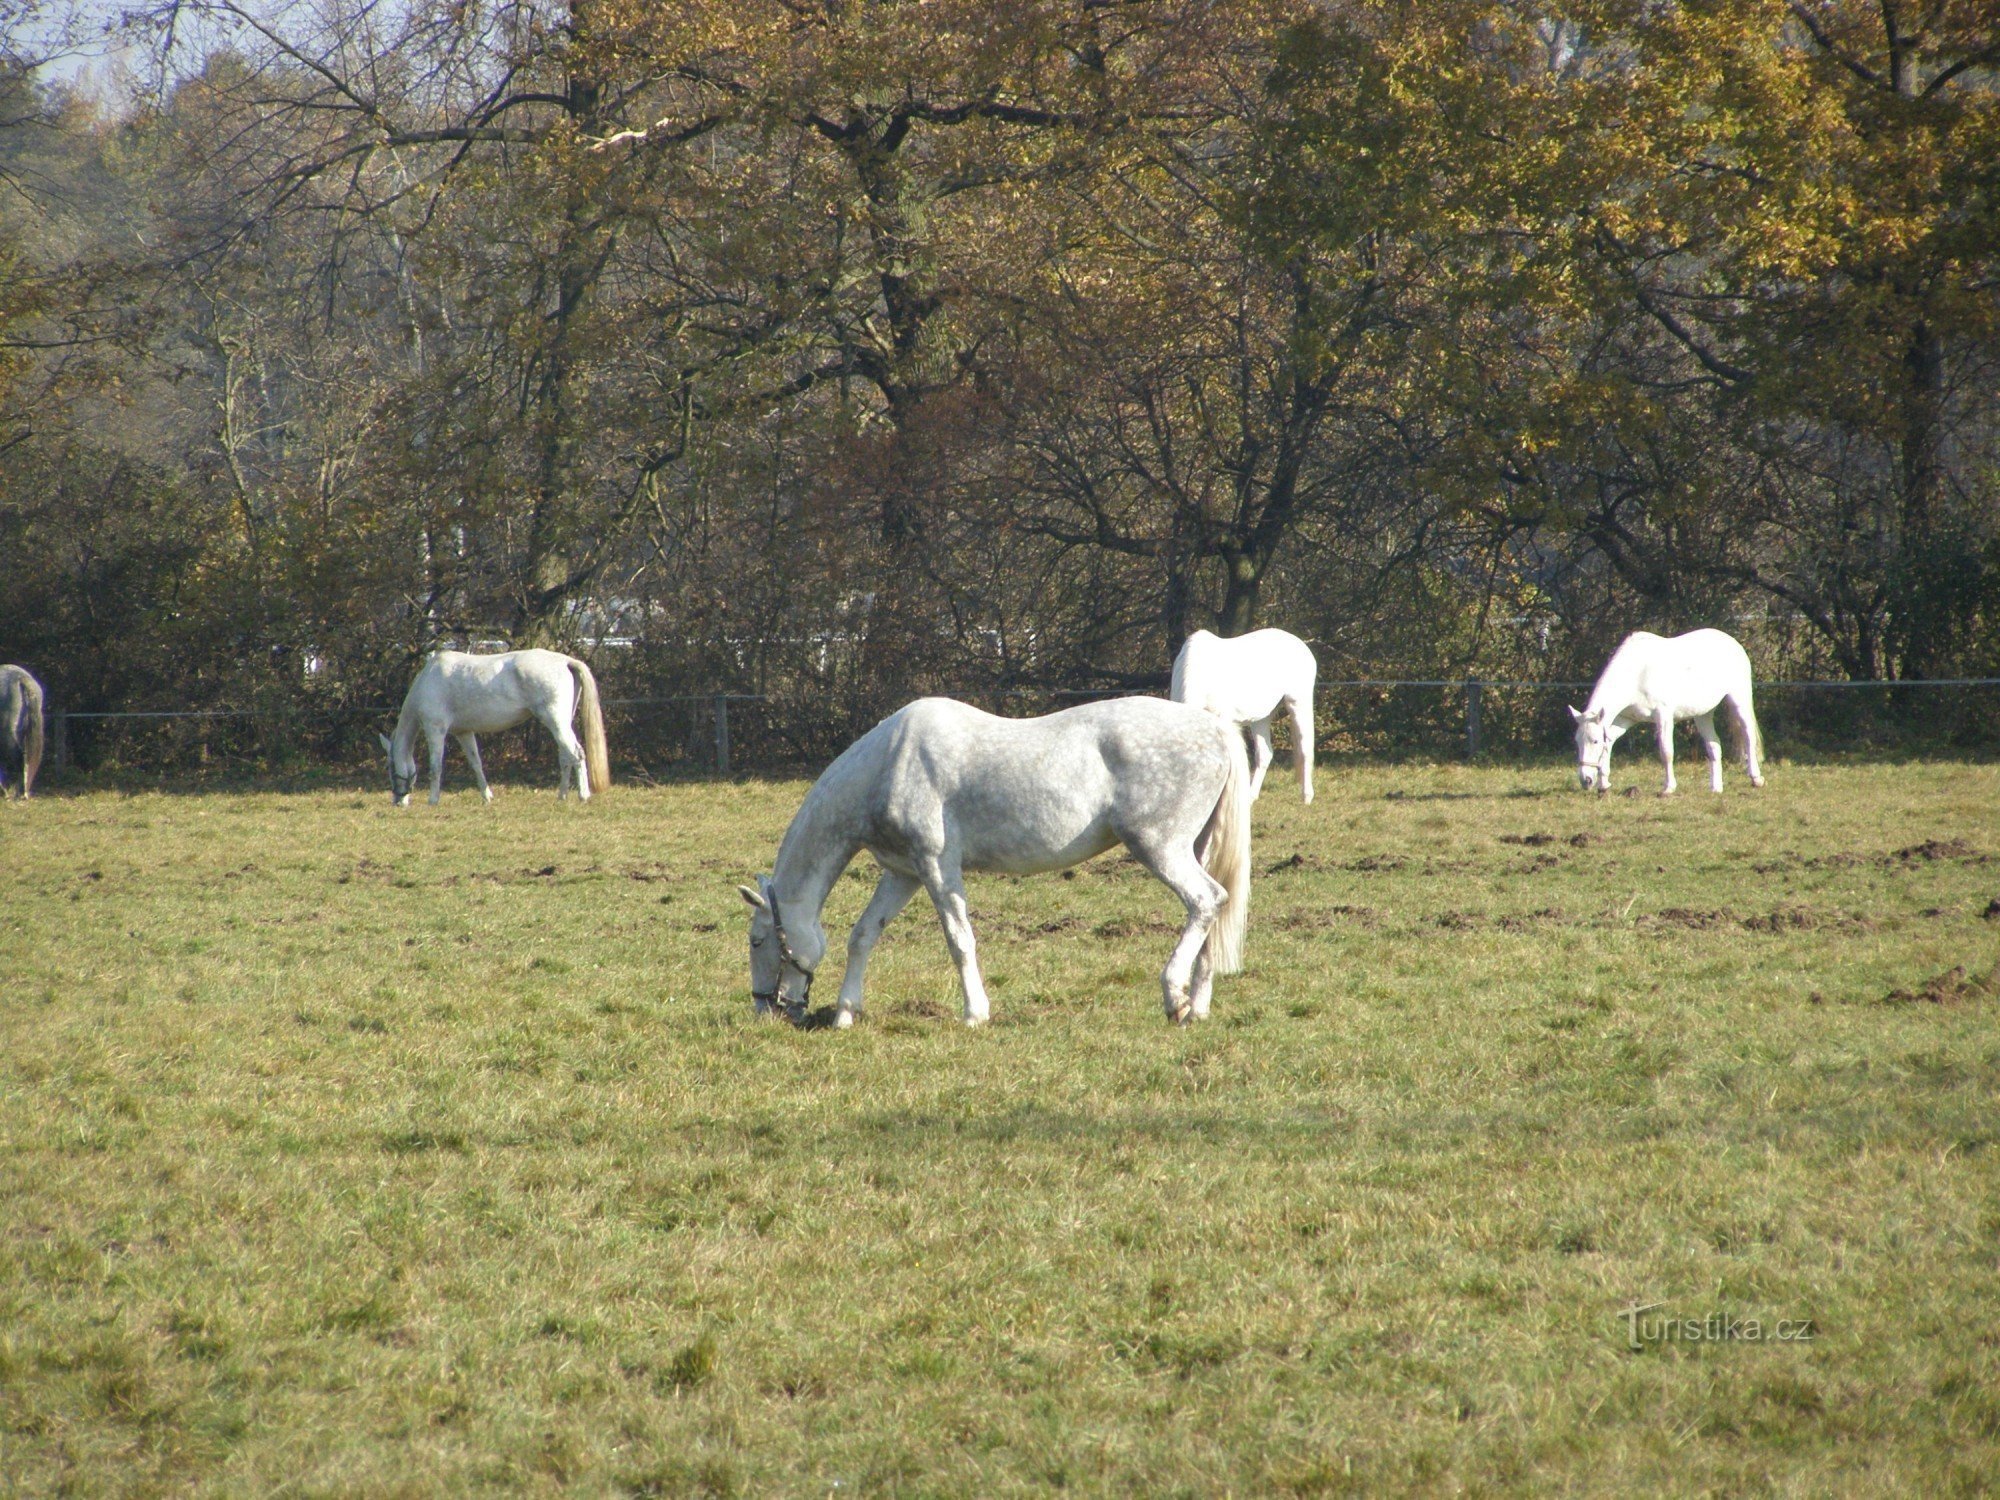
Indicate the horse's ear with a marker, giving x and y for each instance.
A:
(1575, 717)
(391, 749)
(754, 898)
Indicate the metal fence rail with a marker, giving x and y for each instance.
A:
(1391, 714)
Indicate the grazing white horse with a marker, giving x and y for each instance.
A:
(464, 696)
(939, 788)
(1650, 677)
(1249, 680)
(20, 728)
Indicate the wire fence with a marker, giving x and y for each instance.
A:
(724, 733)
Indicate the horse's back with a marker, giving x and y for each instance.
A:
(1034, 794)
(483, 694)
(1687, 674)
(1244, 677)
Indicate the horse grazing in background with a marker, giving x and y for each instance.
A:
(1248, 680)
(1651, 677)
(20, 728)
(465, 696)
(939, 788)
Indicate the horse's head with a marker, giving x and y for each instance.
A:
(402, 774)
(782, 959)
(1595, 735)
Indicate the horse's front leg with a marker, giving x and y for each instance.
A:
(436, 738)
(469, 743)
(946, 885)
(892, 894)
(1666, 722)
(1711, 744)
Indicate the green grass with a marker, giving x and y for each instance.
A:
(346, 1151)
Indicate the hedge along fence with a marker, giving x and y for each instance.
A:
(727, 732)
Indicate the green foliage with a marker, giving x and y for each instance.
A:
(850, 354)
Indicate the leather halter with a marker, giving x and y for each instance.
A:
(772, 998)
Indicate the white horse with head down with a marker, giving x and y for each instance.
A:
(1652, 678)
(1249, 680)
(466, 696)
(939, 788)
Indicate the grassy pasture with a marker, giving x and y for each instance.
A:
(347, 1151)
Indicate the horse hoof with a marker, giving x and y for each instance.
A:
(842, 1019)
(975, 1020)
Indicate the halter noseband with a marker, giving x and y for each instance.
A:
(785, 956)
(401, 786)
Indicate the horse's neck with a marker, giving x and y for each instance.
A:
(1617, 689)
(824, 837)
(405, 737)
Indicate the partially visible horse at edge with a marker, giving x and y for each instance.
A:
(20, 728)
(939, 788)
(1249, 680)
(1651, 677)
(464, 696)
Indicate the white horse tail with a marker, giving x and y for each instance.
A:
(1226, 856)
(31, 742)
(1178, 692)
(596, 752)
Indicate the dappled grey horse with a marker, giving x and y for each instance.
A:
(20, 729)
(939, 788)
(465, 696)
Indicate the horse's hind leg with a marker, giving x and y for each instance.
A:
(1711, 743)
(469, 743)
(1746, 725)
(569, 758)
(1187, 981)
(946, 885)
(1301, 711)
(1259, 737)
(892, 894)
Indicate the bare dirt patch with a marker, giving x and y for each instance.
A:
(1322, 917)
(1523, 921)
(1953, 987)
(1296, 862)
(1696, 918)
(1931, 850)
(1531, 840)
(1124, 927)
(1372, 863)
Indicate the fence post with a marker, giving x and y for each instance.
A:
(722, 734)
(1472, 691)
